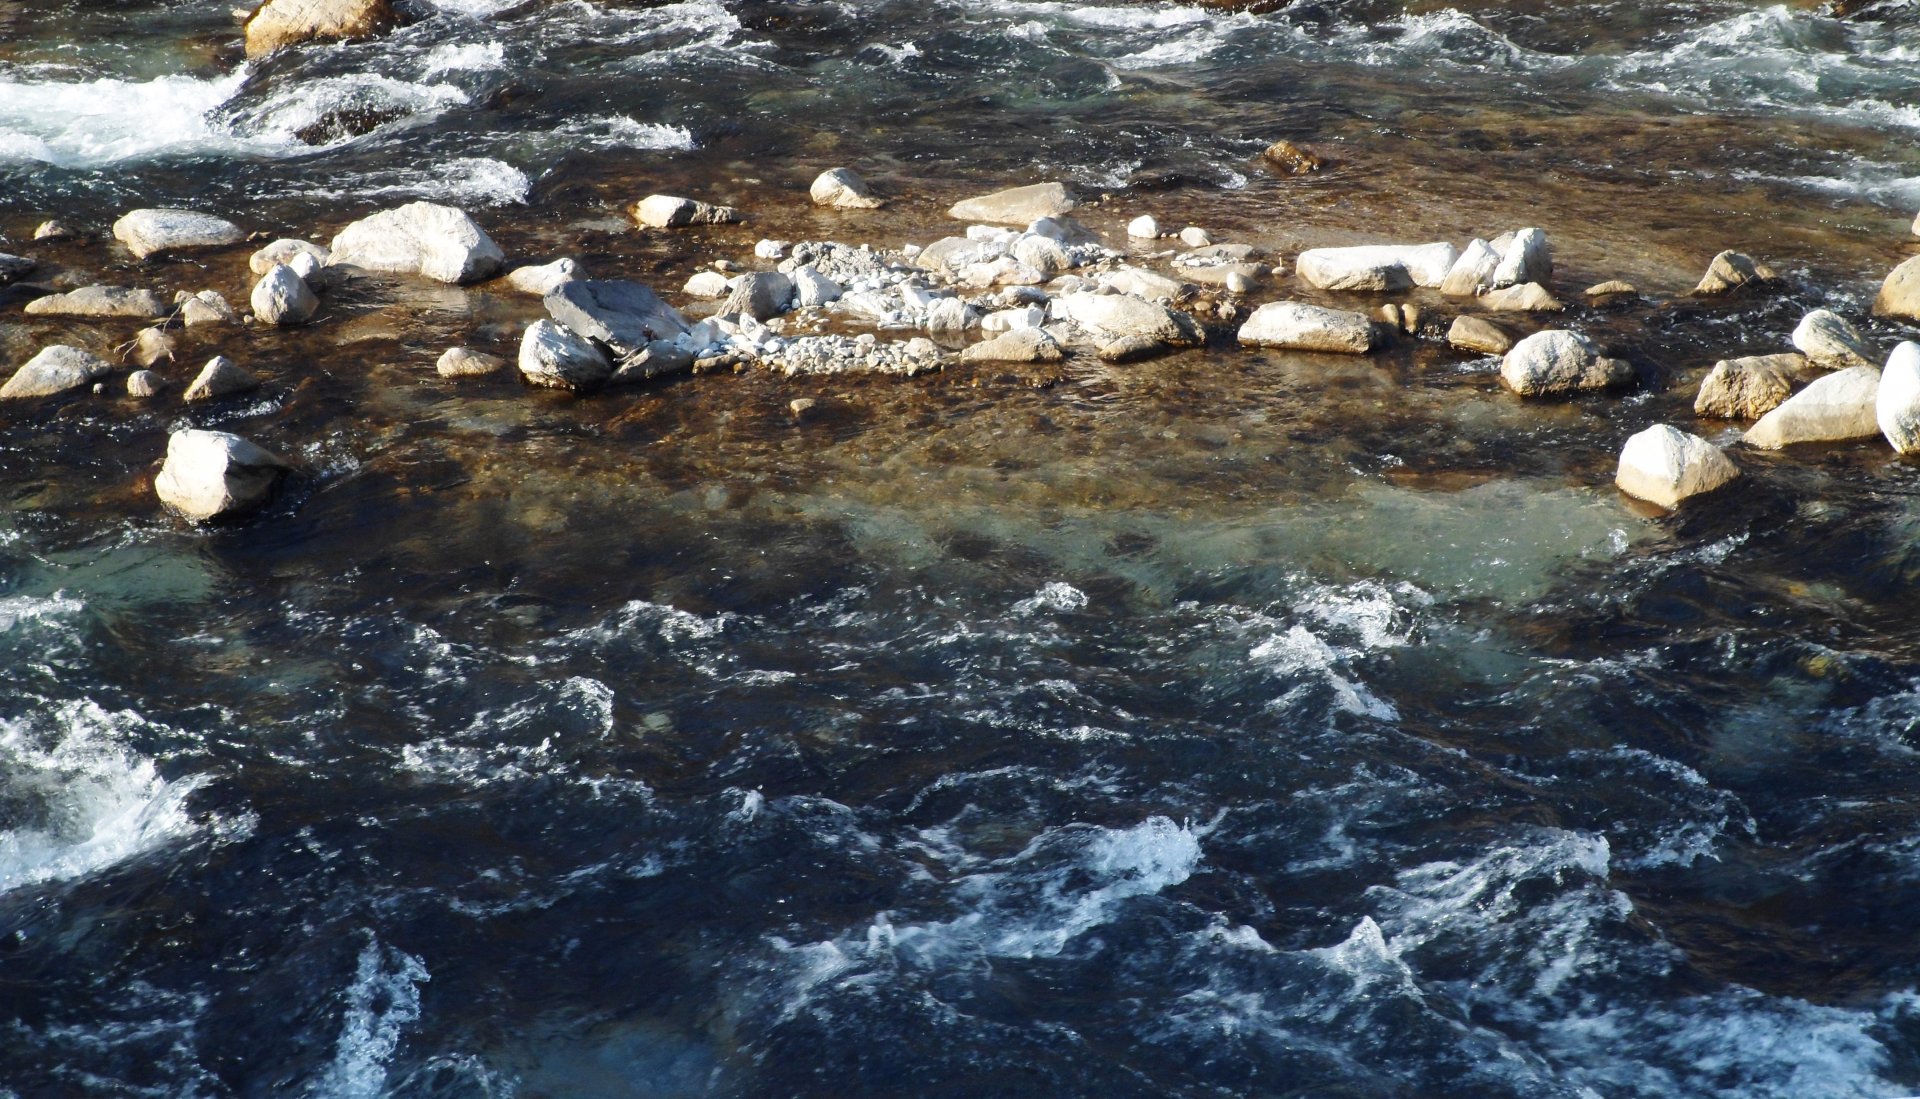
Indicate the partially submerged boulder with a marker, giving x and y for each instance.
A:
(212, 475)
(1294, 160)
(623, 315)
(843, 189)
(278, 23)
(56, 369)
(1830, 342)
(1110, 317)
(556, 358)
(285, 250)
(1526, 297)
(1017, 205)
(1527, 259)
(282, 297)
(1899, 295)
(1666, 465)
(15, 268)
(1749, 388)
(1470, 333)
(544, 279)
(1732, 270)
(1558, 362)
(1473, 271)
(1897, 404)
(1841, 405)
(1296, 326)
(101, 301)
(1377, 266)
(461, 362)
(421, 238)
(1022, 345)
(205, 308)
(674, 212)
(221, 377)
(149, 232)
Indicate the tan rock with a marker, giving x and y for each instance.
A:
(1841, 405)
(1470, 333)
(1665, 465)
(1899, 295)
(1527, 297)
(1730, 270)
(1296, 326)
(278, 23)
(1749, 388)
(1023, 345)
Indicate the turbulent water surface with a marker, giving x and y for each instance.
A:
(1235, 724)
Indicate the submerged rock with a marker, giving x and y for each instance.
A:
(1731, 270)
(1897, 403)
(1016, 206)
(282, 297)
(149, 232)
(544, 279)
(1377, 266)
(843, 189)
(279, 23)
(221, 377)
(1296, 326)
(1831, 342)
(216, 475)
(151, 345)
(624, 315)
(1558, 362)
(1749, 388)
(101, 301)
(556, 358)
(437, 242)
(1665, 465)
(1841, 405)
(1899, 295)
(1470, 333)
(15, 268)
(56, 369)
(461, 362)
(674, 212)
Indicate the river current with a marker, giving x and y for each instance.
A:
(1236, 724)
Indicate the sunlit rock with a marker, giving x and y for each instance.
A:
(422, 238)
(56, 369)
(1666, 465)
(149, 232)
(1296, 326)
(213, 475)
(1841, 405)
(1558, 362)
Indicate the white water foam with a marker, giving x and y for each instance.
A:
(101, 122)
(382, 1001)
(618, 131)
(463, 57)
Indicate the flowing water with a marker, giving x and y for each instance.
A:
(1233, 724)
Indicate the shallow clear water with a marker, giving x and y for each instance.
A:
(1233, 724)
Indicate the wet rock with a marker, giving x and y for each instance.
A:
(424, 238)
(144, 384)
(707, 284)
(1665, 465)
(279, 23)
(1841, 405)
(216, 475)
(1473, 271)
(56, 369)
(1899, 295)
(843, 189)
(284, 251)
(1749, 388)
(624, 315)
(1016, 206)
(101, 301)
(1239, 282)
(1376, 266)
(1527, 259)
(1897, 403)
(152, 345)
(221, 377)
(812, 289)
(1557, 362)
(771, 249)
(762, 295)
(1111, 317)
(1611, 288)
(1830, 342)
(1528, 297)
(655, 360)
(544, 279)
(1143, 228)
(15, 268)
(1025, 345)
(1731, 270)
(674, 212)
(1133, 349)
(800, 406)
(554, 357)
(1475, 334)
(149, 232)
(206, 307)
(55, 230)
(283, 298)
(863, 354)
(1292, 159)
(461, 362)
(1296, 326)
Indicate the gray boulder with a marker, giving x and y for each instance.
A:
(762, 295)
(55, 369)
(221, 377)
(1897, 404)
(149, 232)
(544, 279)
(461, 362)
(1296, 326)
(1831, 342)
(101, 301)
(144, 384)
(206, 307)
(1473, 271)
(1841, 405)
(1017, 205)
(1558, 362)
(556, 358)
(623, 315)
(1110, 317)
(421, 238)
(215, 475)
(282, 297)
(811, 288)
(1665, 465)
(15, 268)
(652, 361)
(842, 188)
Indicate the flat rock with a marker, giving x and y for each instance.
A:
(1017, 205)
(707, 284)
(1666, 465)
(1558, 362)
(215, 475)
(1899, 295)
(1142, 283)
(1731, 270)
(1527, 297)
(624, 315)
(1527, 259)
(1897, 404)
(1110, 317)
(101, 301)
(762, 295)
(1296, 326)
(279, 23)
(461, 362)
(1830, 342)
(842, 188)
(544, 279)
(1749, 388)
(1024, 345)
(1470, 333)
(421, 238)
(56, 369)
(15, 268)
(285, 250)
(1841, 405)
(150, 232)
(553, 357)
(1377, 266)
(221, 377)
(674, 212)
(282, 297)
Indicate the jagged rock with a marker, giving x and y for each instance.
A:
(1897, 403)
(1143, 228)
(461, 362)
(1474, 334)
(949, 318)
(544, 279)
(1557, 362)
(207, 307)
(674, 212)
(1023, 345)
(101, 301)
(1377, 266)
(1473, 271)
(278, 23)
(1296, 326)
(762, 295)
(56, 369)
(1730, 270)
(54, 230)
(1527, 259)
(215, 475)
(1665, 465)
(283, 298)
(1749, 388)
(554, 357)
(1831, 342)
(1841, 405)
(844, 189)
(1110, 317)
(144, 384)
(1016, 206)
(221, 377)
(624, 315)
(1899, 295)
(14, 268)
(1292, 159)
(707, 284)
(652, 361)
(1043, 254)
(1528, 297)
(812, 289)
(284, 251)
(1611, 288)
(148, 232)
(424, 238)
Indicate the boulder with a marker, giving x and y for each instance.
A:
(1023, 345)
(556, 358)
(1899, 295)
(279, 23)
(1731, 270)
(221, 377)
(657, 358)
(1377, 266)
(1611, 288)
(674, 212)
(206, 307)
(624, 315)
(1749, 388)
(283, 298)
(149, 232)
(1043, 254)
(1474, 334)
(1017, 206)
(949, 318)
(55, 230)
(1527, 259)
(1830, 342)
(1012, 320)
(1195, 237)
(1527, 297)
(1109, 317)
(144, 384)
(544, 279)
(762, 295)
(1142, 283)
(284, 251)
(1299, 327)
(1473, 271)
(843, 189)
(215, 475)
(1131, 349)
(1292, 159)
(1558, 362)
(707, 284)
(1841, 405)
(1143, 228)
(1897, 403)
(1665, 465)
(101, 301)
(421, 238)
(811, 288)
(55, 369)
(15, 268)
(461, 362)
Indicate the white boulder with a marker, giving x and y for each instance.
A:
(55, 369)
(213, 474)
(1841, 405)
(843, 189)
(423, 238)
(1897, 403)
(1527, 260)
(1377, 266)
(282, 297)
(1665, 465)
(554, 357)
(1296, 326)
(148, 232)
(1833, 344)
(1557, 362)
